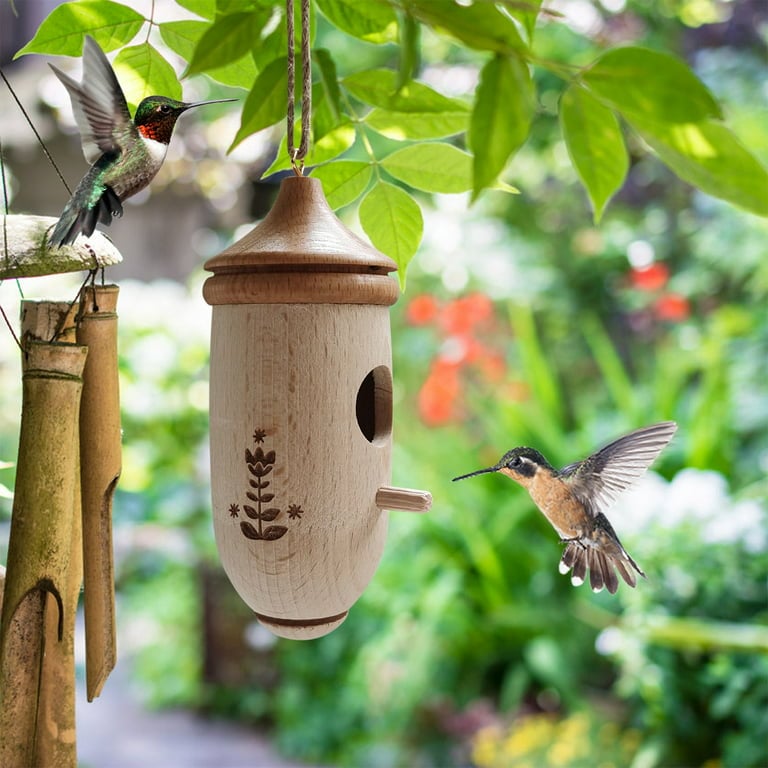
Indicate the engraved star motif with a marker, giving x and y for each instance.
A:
(234, 509)
(295, 511)
(259, 435)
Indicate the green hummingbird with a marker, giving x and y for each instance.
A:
(574, 500)
(125, 154)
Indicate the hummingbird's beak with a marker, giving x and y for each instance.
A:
(477, 472)
(203, 103)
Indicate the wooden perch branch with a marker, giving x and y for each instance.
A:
(30, 255)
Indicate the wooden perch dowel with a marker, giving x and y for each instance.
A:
(404, 499)
(100, 463)
(30, 255)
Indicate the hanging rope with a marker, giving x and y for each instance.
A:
(297, 155)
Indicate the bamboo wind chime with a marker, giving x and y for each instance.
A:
(61, 531)
(301, 402)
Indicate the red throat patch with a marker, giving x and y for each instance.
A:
(150, 131)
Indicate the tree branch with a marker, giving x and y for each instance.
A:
(30, 255)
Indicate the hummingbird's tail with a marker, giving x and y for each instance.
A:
(602, 561)
(89, 205)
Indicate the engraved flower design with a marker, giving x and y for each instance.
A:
(260, 464)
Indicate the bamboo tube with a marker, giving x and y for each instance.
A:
(56, 743)
(99, 471)
(41, 586)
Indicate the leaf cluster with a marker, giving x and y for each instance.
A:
(442, 144)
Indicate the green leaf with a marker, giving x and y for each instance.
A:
(378, 87)
(372, 21)
(143, 72)
(62, 32)
(596, 146)
(526, 12)
(479, 25)
(204, 8)
(266, 102)
(709, 156)
(182, 37)
(228, 39)
(393, 222)
(343, 181)
(431, 167)
(417, 125)
(326, 95)
(653, 86)
(410, 47)
(224, 7)
(501, 119)
(274, 39)
(271, 47)
(330, 146)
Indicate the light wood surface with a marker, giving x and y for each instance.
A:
(301, 230)
(301, 413)
(298, 383)
(404, 499)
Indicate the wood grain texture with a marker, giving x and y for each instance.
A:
(293, 373)
(301, 412)
(300, 288)
(300, 229)
(404, 499)
(100, 464)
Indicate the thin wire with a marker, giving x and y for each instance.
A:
(5, 204)
(34, 130)
(5, 240)
(10, 328)
(297, 155)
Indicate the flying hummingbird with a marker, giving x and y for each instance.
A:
(574, 500)
(125, 154)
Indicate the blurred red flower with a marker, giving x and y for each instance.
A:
(461, 316)
(461, 353)
(651, 278)
(672, 307)
(440, 393)
(492, 366)
(422, 309)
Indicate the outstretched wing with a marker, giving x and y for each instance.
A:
(601, 477)
(99, 104)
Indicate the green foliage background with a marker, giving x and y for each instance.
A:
(603, 94)
(467, 635)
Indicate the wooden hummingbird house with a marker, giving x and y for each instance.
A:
(301, 413)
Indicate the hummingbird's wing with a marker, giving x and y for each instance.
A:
(99, 105)
(601, 477)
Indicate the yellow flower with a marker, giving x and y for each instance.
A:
(485, 747)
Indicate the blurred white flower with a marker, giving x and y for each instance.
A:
(696, 496)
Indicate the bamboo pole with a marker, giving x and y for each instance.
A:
(37, 696)
(99, 470)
